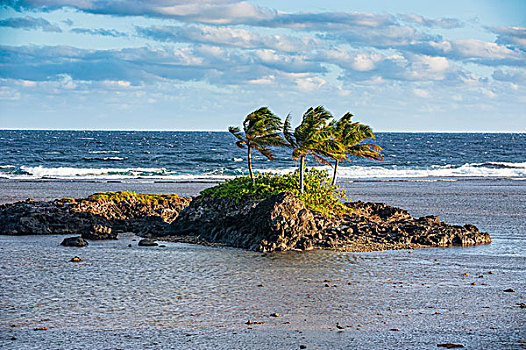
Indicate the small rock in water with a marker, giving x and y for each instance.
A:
(76, 259)
(148, 243)
(74, 242)
(450, 346)
(509, 290)
(129, 245)
(303, 346)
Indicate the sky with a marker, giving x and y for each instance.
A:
(204, 65)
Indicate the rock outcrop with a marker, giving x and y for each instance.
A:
(283, 223)
(74, 242)
(93, 219)
(278, 223)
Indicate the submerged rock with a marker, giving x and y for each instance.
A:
(148, 243)
(282, 223)
(74, 242)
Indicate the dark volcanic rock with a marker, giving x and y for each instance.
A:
(74, 242)
(99, 232)
(101, 219)
(148, 243)
(277, 223)
(283, 223)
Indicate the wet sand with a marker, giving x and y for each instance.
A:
(193, 297)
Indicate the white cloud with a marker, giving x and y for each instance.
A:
(421, 92)
(488, 93)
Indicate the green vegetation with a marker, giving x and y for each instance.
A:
(261, 128)
(127, 195)
(319, 135)
(313, 136)
(318, 196)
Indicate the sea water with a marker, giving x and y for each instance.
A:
(213, 155)
(194, 297)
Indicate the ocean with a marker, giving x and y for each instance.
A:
(115, 155)
(184, 296)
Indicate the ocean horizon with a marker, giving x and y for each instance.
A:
(205, 155)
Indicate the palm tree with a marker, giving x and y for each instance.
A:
(350, 135)
(312, 136)
(261, 129)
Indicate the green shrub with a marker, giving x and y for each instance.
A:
(319, 195)
(126, 195)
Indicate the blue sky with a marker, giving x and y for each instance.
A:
(204, 65)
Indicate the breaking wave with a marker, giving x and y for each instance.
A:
(491, 169)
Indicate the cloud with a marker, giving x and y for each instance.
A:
(222, 12)
(447, 23)
(469, 50)
(373, 66)
(517, 76)
(235, 42)
(103, 32)
(511, 36)
(204, 11)
(134, 65)
(225, 36)
(30, 23)
(139, 65)
(421, 92)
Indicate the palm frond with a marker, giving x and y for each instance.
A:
(366, 150)
(264, 151)
(287, 132)
(240, 144)
(321, 160)
(241, 141)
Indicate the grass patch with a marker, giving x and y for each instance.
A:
(319, 195)
(127, 195)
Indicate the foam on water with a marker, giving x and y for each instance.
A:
(503, 170)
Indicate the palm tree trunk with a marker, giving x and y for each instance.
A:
(302, 170)
(250, 166)
(335, 172)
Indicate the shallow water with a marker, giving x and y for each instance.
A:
(184, 296)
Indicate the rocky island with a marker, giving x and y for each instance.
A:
(280, 222)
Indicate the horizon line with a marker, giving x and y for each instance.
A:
(226, 131)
